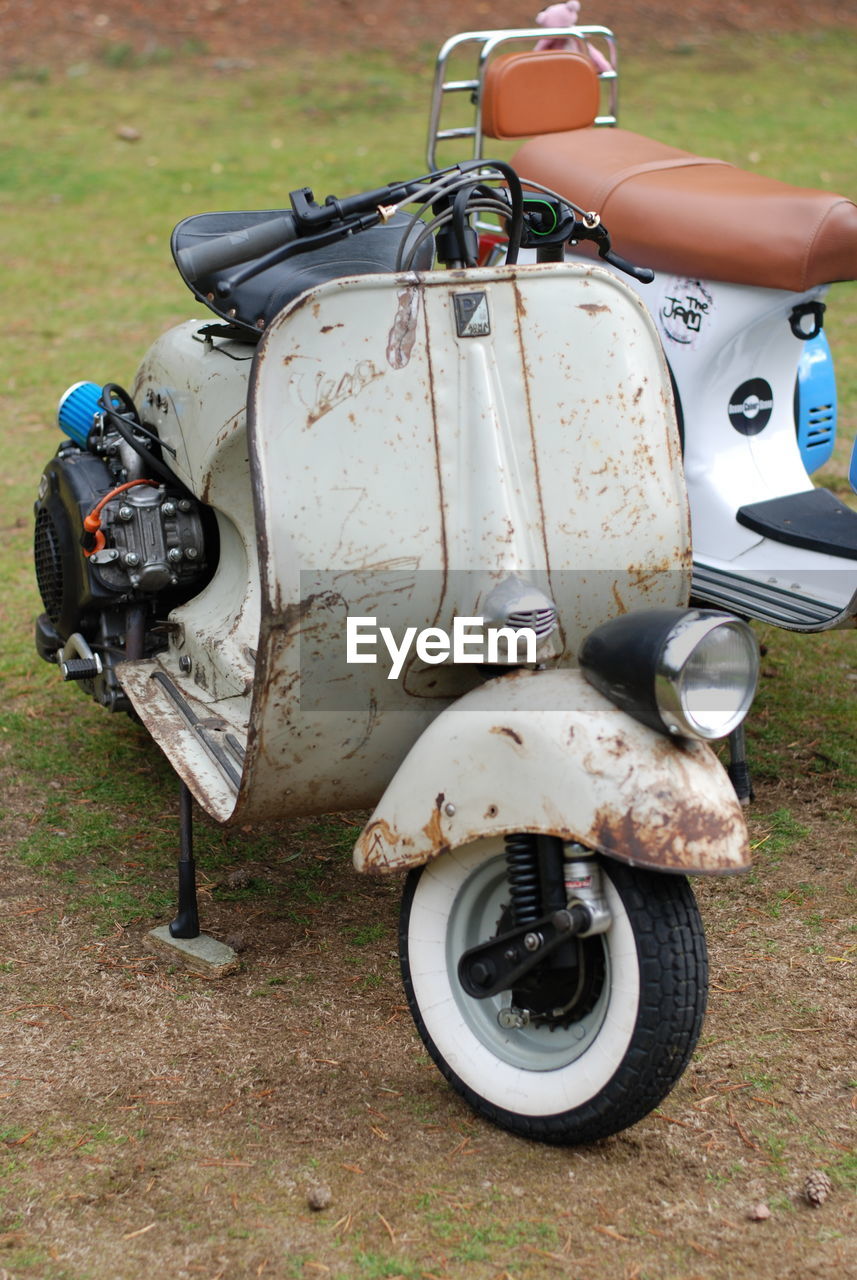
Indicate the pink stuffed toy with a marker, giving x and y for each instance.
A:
(566, 15)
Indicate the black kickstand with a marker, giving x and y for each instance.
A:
(738, 769)
(186, 923)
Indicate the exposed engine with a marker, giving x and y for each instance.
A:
(119, 542)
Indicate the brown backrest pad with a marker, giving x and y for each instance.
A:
(547, 92)
(689, 215)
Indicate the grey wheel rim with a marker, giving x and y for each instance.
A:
(473, 918)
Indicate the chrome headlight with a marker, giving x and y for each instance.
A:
(687, 671)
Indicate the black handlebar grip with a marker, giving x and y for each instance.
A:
(228, 250)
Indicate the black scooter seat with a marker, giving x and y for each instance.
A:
(253, 304)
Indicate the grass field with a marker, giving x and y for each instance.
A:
(152, 1121)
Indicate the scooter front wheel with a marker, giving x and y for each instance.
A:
(596, 1056)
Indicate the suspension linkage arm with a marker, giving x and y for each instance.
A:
(503, 962)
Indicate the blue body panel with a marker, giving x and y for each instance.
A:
(815, 403)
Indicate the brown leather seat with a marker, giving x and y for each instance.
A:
(692, 216)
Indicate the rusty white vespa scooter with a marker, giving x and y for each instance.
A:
(414, 537)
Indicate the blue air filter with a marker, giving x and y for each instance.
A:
(77, 409)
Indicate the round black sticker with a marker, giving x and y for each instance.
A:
(750, 406)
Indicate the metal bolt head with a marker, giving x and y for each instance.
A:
(174, 555)
(185, 505)
(185, 663)
(513, 1019)
(132, 559)
(126, 513)
(449, 810)
(191, 553)
(532, 941)
(169, 508)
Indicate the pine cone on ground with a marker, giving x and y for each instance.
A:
(817, 1188)
(239, 879)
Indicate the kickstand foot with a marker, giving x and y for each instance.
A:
(186, 923)
(738, 769)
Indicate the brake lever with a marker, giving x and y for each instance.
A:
(592, 228)
(645, 275)
(551, 224)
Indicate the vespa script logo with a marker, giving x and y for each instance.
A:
(322, 392)
(686, 308)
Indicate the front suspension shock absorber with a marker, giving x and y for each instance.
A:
(584, 883)
(522, 871)
(535, 869)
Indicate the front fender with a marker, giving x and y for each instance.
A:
(544, 752)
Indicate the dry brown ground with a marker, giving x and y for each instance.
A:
(159, 1123)
(46, 32)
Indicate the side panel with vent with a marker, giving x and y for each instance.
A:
(815, 403)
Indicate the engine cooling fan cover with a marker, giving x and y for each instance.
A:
(47, 552)
(71, 485)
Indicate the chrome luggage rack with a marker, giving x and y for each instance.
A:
(488, 42)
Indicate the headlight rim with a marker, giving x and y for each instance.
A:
(680, 645)
(636, 661)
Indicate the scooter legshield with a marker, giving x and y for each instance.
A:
(410, 442)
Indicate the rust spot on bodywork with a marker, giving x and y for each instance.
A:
(376, 840)
(620, 603)
(403, 334)
(432, 830)
(232, 424)
(293, 613)
(592, 308)
(520, 313)
(684, 836)
(510, 733)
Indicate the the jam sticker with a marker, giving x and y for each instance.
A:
(686, 310)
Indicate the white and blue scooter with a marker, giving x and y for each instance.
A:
(741, 267)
